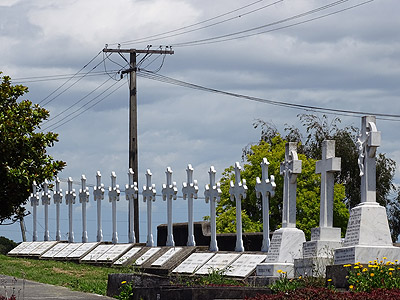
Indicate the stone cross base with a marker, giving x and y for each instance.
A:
(271, 269)
(313, 266)
(326, 234)
(320, 248)
(365, 254)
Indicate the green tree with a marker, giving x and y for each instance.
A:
(23, 156)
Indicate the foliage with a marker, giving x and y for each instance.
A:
(214, 277)
(126, 291)
(23, 157)
(6, 245)
(308, 193)
(377, 274)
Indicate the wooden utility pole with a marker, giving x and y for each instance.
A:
(133, 141)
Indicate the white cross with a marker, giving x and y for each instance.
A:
(46, 198)
(34, 198)
(265, 188)
(84, 198)
(98, 194)
(290, 168)
(70, 200)
(131, 193)
(149, 196)
(369, 141)
(169, 192)
(326, 167)
(190, 190)
(213, 194)
(57, 196)
(113, 197)
(238, 192)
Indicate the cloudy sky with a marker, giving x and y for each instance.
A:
(321, 53)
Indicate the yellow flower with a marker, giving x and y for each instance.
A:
(348, 265)
(372, 274)
(356, 267)
(279, 271)
(391, 269)
(384, 257)
(357, 263)
(329, 279)
(365, 270)
(396, 260)
(351, 287)
(300, 277)
(123, 282)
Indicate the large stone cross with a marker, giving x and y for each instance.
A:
(98, 194)
(290, 169)
(367, 143)
(326, 167)
(169, 191)
(34, 199)
(113, 197)
(46, 199)
(238, 192)
(131, 193)
(70, 196)
(57, 196)
(149, 196)
(213, 193)
(265, 188)
(83, 199)
(189, 191)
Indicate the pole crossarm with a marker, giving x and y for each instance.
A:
(139, 51)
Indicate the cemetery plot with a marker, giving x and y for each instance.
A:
(19, 248)
(166, 256)
(219, 262)
(114, 252)
(67, 250)
(27, 250)
(245, 265)
(193, 262)
(146, 256)
(82, 250)
(53, 251)
(124, 259)
(96, 253)
(42, 248)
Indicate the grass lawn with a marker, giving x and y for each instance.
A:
(79, 277)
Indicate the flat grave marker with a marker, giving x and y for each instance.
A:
(245, 265)
(97, 252)
(43, 248)
(193, 262)
(53, 251)
(127, 256)
(67, 250)
(219, 262)
(30, 248)
(114, 252)
(146, 256)
(166, 256)
(19, 248)
(82, 250)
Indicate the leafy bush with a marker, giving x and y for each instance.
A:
(6, 245)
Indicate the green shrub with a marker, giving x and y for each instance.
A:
(6, 245)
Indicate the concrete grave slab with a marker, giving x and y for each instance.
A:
(53, 251)
(114, 253)
(219, 262)
(82, 250)
(126, 258)
(38, 251)
(19, 248)
(63, 254)
(193, 263)
(245, 265)
(96, 253)
(28, 249)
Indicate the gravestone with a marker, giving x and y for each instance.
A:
(238, 192)
(29, 248)
(245, 265)
(219, 261)
(42, 248)
(63, 253)
(19, 248)
(98, 195)
(368, 234)
(131, 194)
(113, 197)
(114, 253)
(83, 199)
(189, 191)
(146, 256)
(318, 253)
(96, 253)
(80, 250)
(149, 196)
(57, 196)
(169, 191)
(166, 256)
(53, 251)
(126, 258)
(287, 242)
(193, 263)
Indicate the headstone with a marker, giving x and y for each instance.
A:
(81, 250)
(57, 196)
(63, 253)
(114, 253)
(368, 234)
(42, 248)
(193, 262)
(169, 192)
(189, 191)
(238, 192)
(245, 265)
(98, 194)
(149, 196)
(124, 259)
(146, 256)
(83, 199)
(28, 249)
(34, 198)
(219, 261)
(166, 256)
(96, 253)
(54, 250)
(318, 253)
(131, 193)
(265, 188)
(46, 198)
(213, 193)
(19, 248)
(70, 201)
(113, 196)
(287, 242)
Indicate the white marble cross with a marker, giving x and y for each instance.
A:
(290, 169)
(57, 196)
(326, 167)
(213, 194)
(238, 192)
(46, 198)
(113, 197)
(367, 143)
(169, 191)
(98, 194)
(34, 198)
(189, 191)
(83, 199)
(265, 188)
(70, 201)
(149, 196)
(131, 193)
